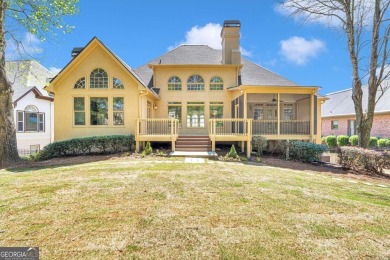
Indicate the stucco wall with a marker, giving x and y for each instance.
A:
(380, 126)
(25, 139)
(97, 57)
(162, 76)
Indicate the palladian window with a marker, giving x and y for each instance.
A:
(174, 83)
(195, 82)
(30, 120)
(98, 79)
(216, 83)
(80, 84)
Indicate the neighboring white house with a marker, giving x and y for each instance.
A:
(33, 107)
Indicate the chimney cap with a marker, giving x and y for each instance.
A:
(76, 51)
(231, 23)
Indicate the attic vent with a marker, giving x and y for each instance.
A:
(76, 51)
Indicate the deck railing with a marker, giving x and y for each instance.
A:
(157, 126)
(229, 126)
(287, 127)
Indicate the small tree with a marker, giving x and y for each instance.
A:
(232, 153)
(365, 24)
(39, 17)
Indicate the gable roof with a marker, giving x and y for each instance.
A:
(252, 74)
(127, 67)
(340, 103)
(24, 75)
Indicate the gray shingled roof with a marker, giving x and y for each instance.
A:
(251, 73)
(26, 74)
(341, 103)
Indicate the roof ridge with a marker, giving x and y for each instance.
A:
(339, 91)
(269, 70)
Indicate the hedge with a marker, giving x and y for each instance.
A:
(260, 144)
(373, 142)
(331, 141)
(383, 143)
(305, 151)
(87, 145)
(354, 140)
(364, 160)
(342, 140)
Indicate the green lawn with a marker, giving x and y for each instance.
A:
(124, 209)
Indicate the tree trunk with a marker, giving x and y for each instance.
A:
(8, 146)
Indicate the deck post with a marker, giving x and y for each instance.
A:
(249, 145)
(137, 136)
(312, 116)
(278, 116)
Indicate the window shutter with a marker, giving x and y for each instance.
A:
(20, 120)
(41, 122)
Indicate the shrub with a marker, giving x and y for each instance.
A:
(260, 144)
(148, 149)
(87, 145)
(383, 143)
(373, 142)
(354, 140)
(305, 151)
(232, 153)
(342, 140)
(323, 140)
(360, 160)
(331, 141)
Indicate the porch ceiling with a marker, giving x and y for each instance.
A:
(283, 97)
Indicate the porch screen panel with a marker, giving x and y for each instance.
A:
(315, 114)
(241, 113)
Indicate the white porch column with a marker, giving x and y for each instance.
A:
(312, 116)
(278, 124)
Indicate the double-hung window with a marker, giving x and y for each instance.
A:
(30, 120)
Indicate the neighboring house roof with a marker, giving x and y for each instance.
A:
(340, 103)
(251, 74)
(26, 76)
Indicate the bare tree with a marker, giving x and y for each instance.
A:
(39, 17)
(365, 24)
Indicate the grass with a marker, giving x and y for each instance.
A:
(136, 210)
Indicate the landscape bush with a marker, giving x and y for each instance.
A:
(87, 145)
(259, 143)
(383, 143)
(373, 142)
(331, 141)
(364, 160)
(305, 151)
(232, 153)
(354, 140)
(323, 140)
(342, 140)
(148, 149)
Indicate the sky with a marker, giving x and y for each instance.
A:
(309, 54)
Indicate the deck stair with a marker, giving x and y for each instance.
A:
(193, 143)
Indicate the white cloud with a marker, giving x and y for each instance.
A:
(54, 70)
(210, 35)
(28, 45)
(299, 50)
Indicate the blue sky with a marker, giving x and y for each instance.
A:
(138, 31)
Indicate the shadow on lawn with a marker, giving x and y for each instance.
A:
(27, 166)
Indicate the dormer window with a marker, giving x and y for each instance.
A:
(98, 79)
(174, 83)
(195, 82)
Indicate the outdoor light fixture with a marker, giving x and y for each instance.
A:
(155, 107)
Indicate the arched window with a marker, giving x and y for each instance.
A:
(195, 82)
(30, 120)
(216, 83)
(174, 83)
(117, 83)
(98, 79)
(80, 84)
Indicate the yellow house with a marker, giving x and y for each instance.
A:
(193, 96)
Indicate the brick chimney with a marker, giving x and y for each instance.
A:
(230, 34)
